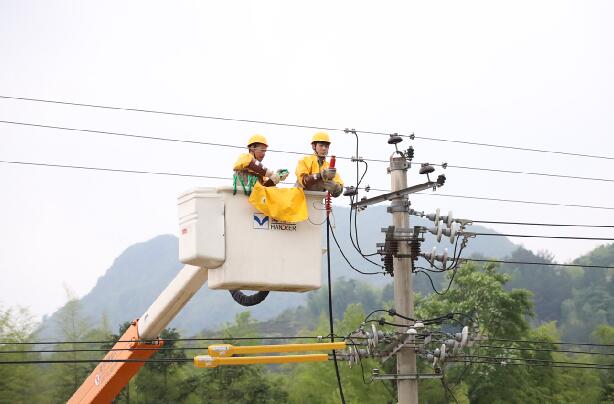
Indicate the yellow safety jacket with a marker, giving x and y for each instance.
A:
(309, 165)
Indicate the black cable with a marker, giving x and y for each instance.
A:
(511, 147)
(98, 350)
(536, 263)
(362, 369)
(535, 360)
(549, 342)
(548, 350)
(158, 138)
(354, 244)
(49, 361)
(504, 200)
(348, 261)
(113, 170)
(330, 307)
(540, 236)
(447, 389)
(228, 178)
(154, 340)
(544, 224)
(412, 136)
(535, 364)
(164, 139)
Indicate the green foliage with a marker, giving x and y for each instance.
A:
(317, 383)
(17, 382)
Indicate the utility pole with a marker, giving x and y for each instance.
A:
(407, 388)
(401, 248)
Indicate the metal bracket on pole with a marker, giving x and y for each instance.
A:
(393, 195)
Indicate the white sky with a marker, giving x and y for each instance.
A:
(523, 73)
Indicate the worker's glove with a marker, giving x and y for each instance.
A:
(332, 187)
(283, 174)
(273, 177)
(329, 173)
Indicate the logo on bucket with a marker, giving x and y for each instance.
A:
(261, 221)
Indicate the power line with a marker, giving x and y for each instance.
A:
(319, 337)
(2, 351)
(540, 236)
(499, 146)
(509, 200)
(411, 136)
(548, 350)
(474, 362)
(116, 170)
(536, 360)
(549, 342)
(536, 263)
(189, 141)
(228, 178)
(543, 224)
(67, 361)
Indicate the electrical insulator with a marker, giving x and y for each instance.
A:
(409, 154)
(434, 217)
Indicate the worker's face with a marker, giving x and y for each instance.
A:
(321, 148)
(259, 151)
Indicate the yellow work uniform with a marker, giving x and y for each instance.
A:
(241, 168)
(309, 165)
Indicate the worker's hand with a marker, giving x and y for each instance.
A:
(274, 177)
(329, 173)
(283, 174)
(332, 187)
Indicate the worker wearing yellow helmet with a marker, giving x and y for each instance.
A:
(249, 169)
(314, 173)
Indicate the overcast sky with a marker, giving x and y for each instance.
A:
(534, 74)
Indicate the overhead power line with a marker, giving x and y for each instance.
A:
(30, 163)
(502, 200)
(316, 127)
(536, 360)
(552, 365)
(544, 224)
(499, 146)
(213, 144)
(536, 263)
(548, 350)
(319, 337)
(524, 341)
(541, 236)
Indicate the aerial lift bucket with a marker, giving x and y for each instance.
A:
(245, 249)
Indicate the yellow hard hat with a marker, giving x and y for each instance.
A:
(257, 139)
(320, 137)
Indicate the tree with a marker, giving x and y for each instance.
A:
(73, 328)
(18, 382)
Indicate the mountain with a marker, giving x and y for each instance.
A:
(143, 270)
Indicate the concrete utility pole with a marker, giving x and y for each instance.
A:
(407, 388)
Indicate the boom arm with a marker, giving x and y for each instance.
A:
(109, 378)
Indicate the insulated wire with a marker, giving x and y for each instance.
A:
(548, 350)
(330, 306)
(536, 263)
(549, 342)
(534, 364)
(412, 136)
(503, 200)
(541, 236)
(364, 160)
(544, 224)
(153, 340)
(348, 261)
(228, 178)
